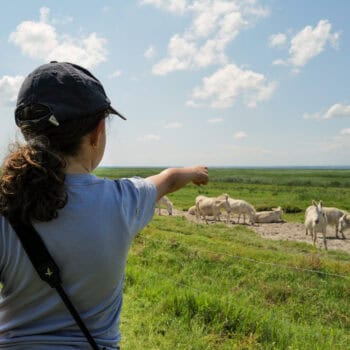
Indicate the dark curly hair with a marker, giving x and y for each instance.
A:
(32, 179)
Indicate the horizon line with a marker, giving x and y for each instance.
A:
(345, 167)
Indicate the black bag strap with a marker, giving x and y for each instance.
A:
(48, 270)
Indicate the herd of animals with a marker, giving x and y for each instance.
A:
(317, 217)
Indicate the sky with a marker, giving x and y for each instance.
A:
(213, 82)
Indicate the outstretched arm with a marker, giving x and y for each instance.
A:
(172, 179)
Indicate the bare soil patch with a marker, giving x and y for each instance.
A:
(287, 231)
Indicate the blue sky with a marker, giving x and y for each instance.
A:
(215, 82)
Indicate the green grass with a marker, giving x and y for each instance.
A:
(292, 189)
(193, 286)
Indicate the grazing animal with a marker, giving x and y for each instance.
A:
(164, 201)
(241, 207)
(344, 224)
(192, 210)
(275, 215)
(211, 206)
(333, 217)
(316, 221)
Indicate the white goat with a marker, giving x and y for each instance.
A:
(241, 207)
(165, 201)
(211, 206)
(275, 215)
(344, 224)
(192, 210)
(333, 217)
(316, 221)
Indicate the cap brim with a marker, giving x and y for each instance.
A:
(114, 111)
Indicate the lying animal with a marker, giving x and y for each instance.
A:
(275, 215)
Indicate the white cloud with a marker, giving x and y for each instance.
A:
(257, 11)
(44, 14)
(39, 40)
(45, 17)
(338, 110)
(149, 137)
(280, 62)
(116, 74)
(221, 89)
(215, 120)
(345, 132)
(309, 43)
(312, 116)
(277, 40)
(9, 87)
(214, 25)
(240, 135)
(174, 125)
(150, 52)
(177, 6)
(181, 51)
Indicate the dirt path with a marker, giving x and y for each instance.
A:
(287, 231)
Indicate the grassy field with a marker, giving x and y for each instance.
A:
(292, 189)
(193, 286)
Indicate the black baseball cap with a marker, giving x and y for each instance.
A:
(68, 91)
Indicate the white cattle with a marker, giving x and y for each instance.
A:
(211, 206)
(275, 215)
(333, 216)
(192, 210)
(316, 221)
(165, 201)
(344, 224)
(241, 207)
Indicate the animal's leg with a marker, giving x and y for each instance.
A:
(324, 239)
(198, 215)
(314, 236)
(342, 233)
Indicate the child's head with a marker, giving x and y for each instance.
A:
(61, 103)
(61, 108)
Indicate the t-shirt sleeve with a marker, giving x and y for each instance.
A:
(139, 200)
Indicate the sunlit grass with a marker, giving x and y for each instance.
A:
(195, 286)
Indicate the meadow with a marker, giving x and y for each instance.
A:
(197, 286)
(292, 189)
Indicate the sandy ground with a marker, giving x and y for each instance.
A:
(287, 231)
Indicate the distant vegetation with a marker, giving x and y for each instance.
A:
(285, 177)
(292, 189)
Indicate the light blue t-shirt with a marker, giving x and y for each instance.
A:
(89, 241)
